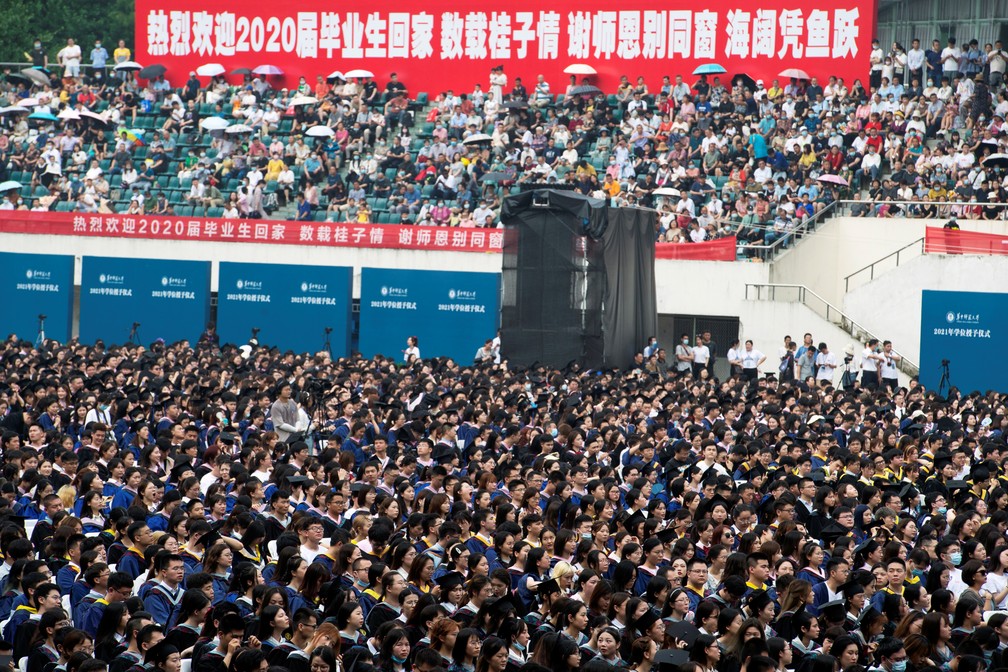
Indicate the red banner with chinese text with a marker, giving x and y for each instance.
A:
(952, 241)
(722, 249)
(253, 231)
(441, 44)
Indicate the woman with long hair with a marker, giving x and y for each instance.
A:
(465, 651)
(394, 650)
(193, 609)
(706, 652)
(444, 634)
(493, 655)
(350, 621)
(273, 622)
(111, 631)
(217, 563)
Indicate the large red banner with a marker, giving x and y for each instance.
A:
(722, 249)
(438, 45)
(270, 232)
(954, 241)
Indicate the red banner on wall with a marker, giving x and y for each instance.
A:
(318, 234)
(950, 241)
(442, 44)
(722, 249)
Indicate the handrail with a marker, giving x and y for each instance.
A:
(871, 267)
(768, 252)
(843, 320)
(946, 209)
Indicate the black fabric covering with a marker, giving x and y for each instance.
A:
(630, 305)
(564, 254)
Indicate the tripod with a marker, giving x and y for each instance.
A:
(40, 337)
(946, 379)
(134, 337)
(326, 345)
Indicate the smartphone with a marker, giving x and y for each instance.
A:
(5, 662)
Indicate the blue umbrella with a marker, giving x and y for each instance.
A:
(709, 69)
(44, 116)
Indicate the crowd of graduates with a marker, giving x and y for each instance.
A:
(165, 508)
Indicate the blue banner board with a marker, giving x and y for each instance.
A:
(33, 285)
(451, 313)
(170, 299)
(969, 329)
(291, 305)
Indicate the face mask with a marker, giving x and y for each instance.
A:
(400, 661)
(554, 432)
(528, 386)
(586, 535)
(362, 584)
(519, 646)
(956, 558)
(899, 666)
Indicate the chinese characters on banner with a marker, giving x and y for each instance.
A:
(308, 39)
(254, 231)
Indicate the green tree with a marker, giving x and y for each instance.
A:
(53, 21)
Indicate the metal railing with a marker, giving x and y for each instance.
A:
(771, 251)
(822, 307)
(916, 246)
(945, 210)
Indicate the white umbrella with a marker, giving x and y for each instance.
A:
(239, 128)
(94, 115)
(666, 191)
(214, 124)
(28, 102)
(303, 100)
(359, 72)
(336, 74)
(68, 113)
(128, 65)
(320, 132)
(13, 109)
(210, 70)
(9, 185)
(476, 138)
(268, 70)
(580, 69)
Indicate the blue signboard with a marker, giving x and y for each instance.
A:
(34, 285)
(450, 313)
(169, 299)
(969, 330)
(291, 306)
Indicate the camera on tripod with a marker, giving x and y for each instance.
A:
(945, 362)
(42, 317)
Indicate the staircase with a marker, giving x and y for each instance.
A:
(820, 306)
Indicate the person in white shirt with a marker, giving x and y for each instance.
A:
(890, 374)
(826, 363)
(950, 57)
(915, 62)
(701, 355)
(751, 360)
(871, 359)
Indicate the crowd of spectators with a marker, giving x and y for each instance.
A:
(251, 510)
(744, 158)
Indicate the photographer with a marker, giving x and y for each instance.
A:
(871, 360)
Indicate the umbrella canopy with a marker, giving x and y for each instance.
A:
(359, 73)
(20, 77)
(495, 177)
(515, 105)
(320, 132)
(710, 69)
(13, 109)
(297, 101)
(10, 185)
(36, 75)
(336, 74)
(666, 191)
(43, 115)
(580, 69)
(214, 124)
(832, 179)
(477, 138)
(585, 90)
(153, 71)
(93, 115)
(267, 70)
(241, 71)
(28, 102)
(68, 113)
(133, 135)
(238, 128)
(996, 161)
(746, 81)
(210, 70)
(795, 73)
(128, 66)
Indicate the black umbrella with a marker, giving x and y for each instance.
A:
(241, 71)
(153, 71)
(495, 177)
(585, 90)
(747, 81)
(996, 161)
(515, 105)
(20, 76)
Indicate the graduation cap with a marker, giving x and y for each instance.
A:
(227, 438)
(758, 600)
(449, 581)
(647, 619)
(683, 630)
(501, 606)
(869, 611)
(669, 660)
(179, 469)
(444, 453)
(832, 532)
(159, 652)
(297, 479)
(635, 519)
(834, 611)
(947, 424)
(852, 588)
(667, 536)
(547, 587)
(735, 585)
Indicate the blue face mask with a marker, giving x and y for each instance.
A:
(399, 661)
(554, 432)
(519, 646)
(899, 666)
(956, 558)
(942, 510)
